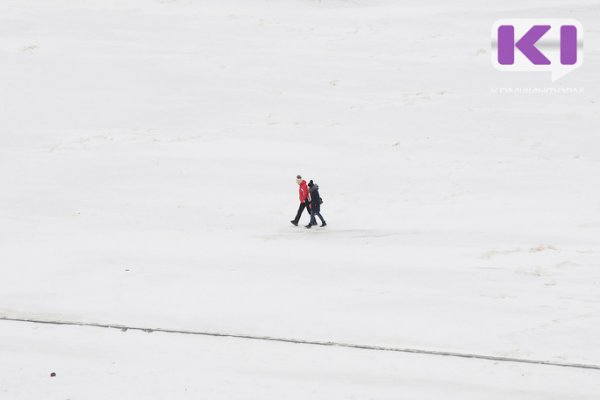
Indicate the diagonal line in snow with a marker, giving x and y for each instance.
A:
(310, 342)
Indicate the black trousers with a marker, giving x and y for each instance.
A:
(300, 210)
(313, 220)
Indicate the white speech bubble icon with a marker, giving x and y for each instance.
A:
(542, 45)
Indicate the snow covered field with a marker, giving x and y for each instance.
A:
(148, 154)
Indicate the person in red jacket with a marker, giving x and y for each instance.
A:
(304, 202)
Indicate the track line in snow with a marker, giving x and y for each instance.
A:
(311, 342)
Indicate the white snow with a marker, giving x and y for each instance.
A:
(148, 154)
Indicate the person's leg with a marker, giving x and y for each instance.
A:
(321, 218)
(312, 220)
(308, 209)
(299, 213)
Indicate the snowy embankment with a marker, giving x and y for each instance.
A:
(148, 152)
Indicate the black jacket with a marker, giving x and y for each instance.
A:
(315, 198)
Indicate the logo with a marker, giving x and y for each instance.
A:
(547, 45)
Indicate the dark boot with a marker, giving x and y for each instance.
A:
(308, 226)
(323, 224)
(294, 223)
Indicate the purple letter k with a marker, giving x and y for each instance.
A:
(506, 44)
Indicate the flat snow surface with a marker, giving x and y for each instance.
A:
(148, 153)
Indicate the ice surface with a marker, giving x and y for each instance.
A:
(92, 364)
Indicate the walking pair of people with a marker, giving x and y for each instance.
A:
(311, 200)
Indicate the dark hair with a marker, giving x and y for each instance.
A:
(310, 183)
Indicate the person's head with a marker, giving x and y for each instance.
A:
(298, 179)
(310, 184)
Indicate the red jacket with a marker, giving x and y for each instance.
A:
(303, 190)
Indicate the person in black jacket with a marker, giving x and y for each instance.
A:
(315, 204)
